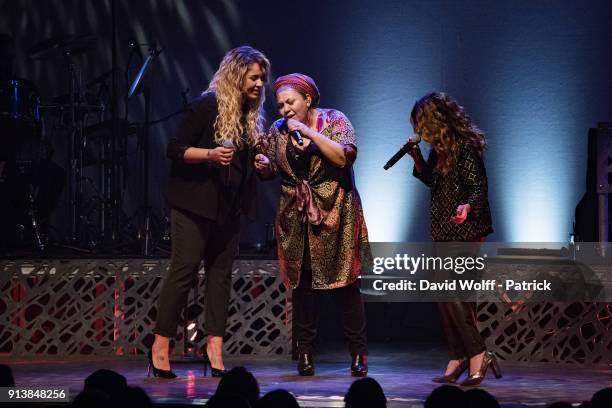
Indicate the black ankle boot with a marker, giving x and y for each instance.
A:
(359, 365)
(305, 364)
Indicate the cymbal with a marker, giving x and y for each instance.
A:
(60, 46)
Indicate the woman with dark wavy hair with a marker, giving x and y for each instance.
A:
(460, 212)
(211, 183)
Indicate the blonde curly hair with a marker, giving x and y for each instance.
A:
(238, 117)
(442, 122)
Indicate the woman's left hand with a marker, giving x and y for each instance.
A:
(461, 214)
(262, 163)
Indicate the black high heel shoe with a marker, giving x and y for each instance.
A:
(305, 365)
(359, 365)
(475, 379)
(214, 372)
(454, 375)
(157, 372)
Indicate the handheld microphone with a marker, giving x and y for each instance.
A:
(295, 134)
(401, 152)
(298, 137)
(228, 144)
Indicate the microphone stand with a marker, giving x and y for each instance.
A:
(145, 234)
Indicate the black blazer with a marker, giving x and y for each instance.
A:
(203, 188)
(465, 183)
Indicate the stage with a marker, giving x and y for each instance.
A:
(94, 95)
(63, 319)
(403, 370)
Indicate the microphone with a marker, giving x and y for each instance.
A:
(401, 152)
(228, 144)
(298, 137)
(295, 134)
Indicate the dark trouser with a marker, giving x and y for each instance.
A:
(195, 238)
(459, 321)
(459, 318)
(306, 315)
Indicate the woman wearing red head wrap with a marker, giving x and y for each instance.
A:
(321, 232)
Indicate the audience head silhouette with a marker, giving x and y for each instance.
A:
(227, 399)
(365, 392)
(478, 398)
(278, 399)
(109, 382)
(447, 396)
(602, 398)
(560, 404)
(6, 376)
(135, 397)
(240, 381)
(91, 399)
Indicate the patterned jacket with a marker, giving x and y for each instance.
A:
(465, 183)
(338, 240)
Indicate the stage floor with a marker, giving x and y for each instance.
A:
(405, 375)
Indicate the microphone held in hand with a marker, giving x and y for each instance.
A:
(401, 152)
(295, 134)
(228, 144)
(298, 137)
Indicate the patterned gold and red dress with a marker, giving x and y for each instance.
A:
(320, 219)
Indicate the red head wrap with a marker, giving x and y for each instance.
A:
(301, 83)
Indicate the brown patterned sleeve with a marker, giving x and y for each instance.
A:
(342, 132)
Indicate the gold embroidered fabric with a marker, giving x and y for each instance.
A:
(338, 245)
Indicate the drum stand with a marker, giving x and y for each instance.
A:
(145, 235)
(33, 221)
(74, 164)
(77, 220)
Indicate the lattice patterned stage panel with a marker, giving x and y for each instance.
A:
(575, 333)
(101, 307)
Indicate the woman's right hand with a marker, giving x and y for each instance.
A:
(417, 156)
(414, 150)
(221, 155)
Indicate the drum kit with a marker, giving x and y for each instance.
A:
(92, 145)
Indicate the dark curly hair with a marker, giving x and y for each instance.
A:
(442, 122)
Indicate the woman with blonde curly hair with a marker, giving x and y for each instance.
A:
(211, 183)
(460, 212)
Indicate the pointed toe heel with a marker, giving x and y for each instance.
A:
(157, 372)
(214, 372)
(454, 375)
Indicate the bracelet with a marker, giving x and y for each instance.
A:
(208, 154)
